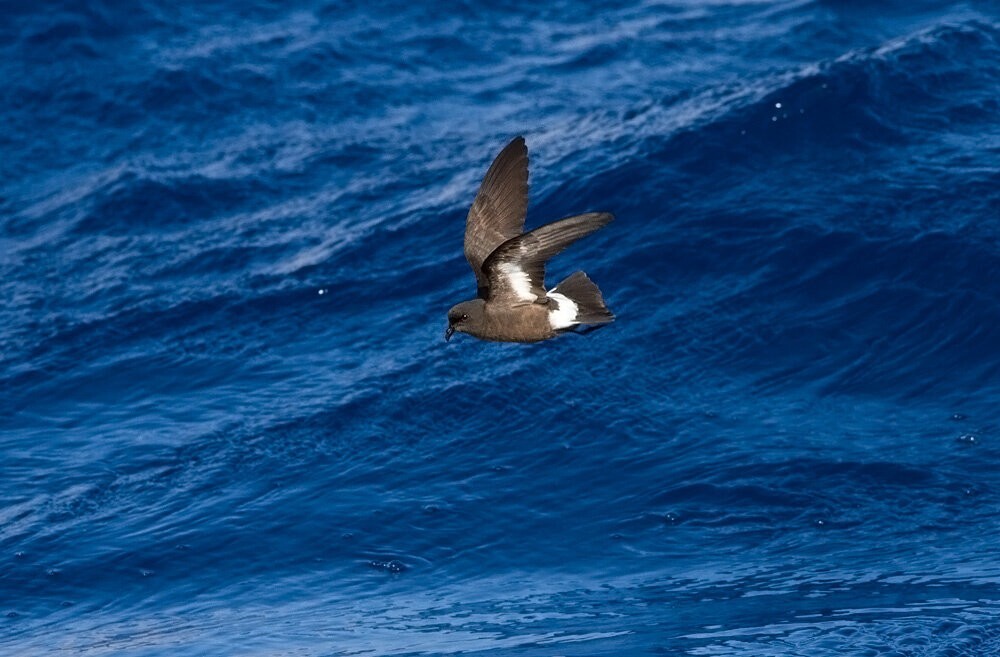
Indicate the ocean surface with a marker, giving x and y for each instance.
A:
(230, 424)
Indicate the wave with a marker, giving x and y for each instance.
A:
(229, 238)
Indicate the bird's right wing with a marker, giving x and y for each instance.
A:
(516, 269)
(499, 210)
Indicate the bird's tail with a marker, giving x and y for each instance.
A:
(584, 293)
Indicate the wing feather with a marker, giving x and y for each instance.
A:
(500, 207)
(515, 271)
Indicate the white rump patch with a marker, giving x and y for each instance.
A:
(565, 315)
(519, 281)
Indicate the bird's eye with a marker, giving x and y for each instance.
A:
(465, 317)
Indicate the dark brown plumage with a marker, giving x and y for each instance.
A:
(513, 304)
(500, 207)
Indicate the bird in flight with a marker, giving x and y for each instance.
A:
(513, 304)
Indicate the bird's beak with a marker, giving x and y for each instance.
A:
(448, 333)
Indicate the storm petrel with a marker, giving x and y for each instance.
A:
(513, 304)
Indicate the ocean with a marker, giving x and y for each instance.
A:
(230, 424)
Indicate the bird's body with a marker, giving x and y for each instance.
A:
(493, 322)
(513, 304)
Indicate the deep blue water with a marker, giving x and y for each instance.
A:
(229, 422)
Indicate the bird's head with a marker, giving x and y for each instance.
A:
(464, 317)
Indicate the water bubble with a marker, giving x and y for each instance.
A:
(774, 118)
(777, 105)
(392, 566)
(323, 291)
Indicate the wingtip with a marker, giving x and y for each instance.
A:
(602, 218)
(515, 149)
(519, 143)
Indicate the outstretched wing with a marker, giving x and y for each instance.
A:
(516, 269)
(498, 212)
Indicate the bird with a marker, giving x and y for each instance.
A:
(512, 302)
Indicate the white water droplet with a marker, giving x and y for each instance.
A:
(777, 105)
(322, 291)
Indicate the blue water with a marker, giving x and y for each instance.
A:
(229, 421)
